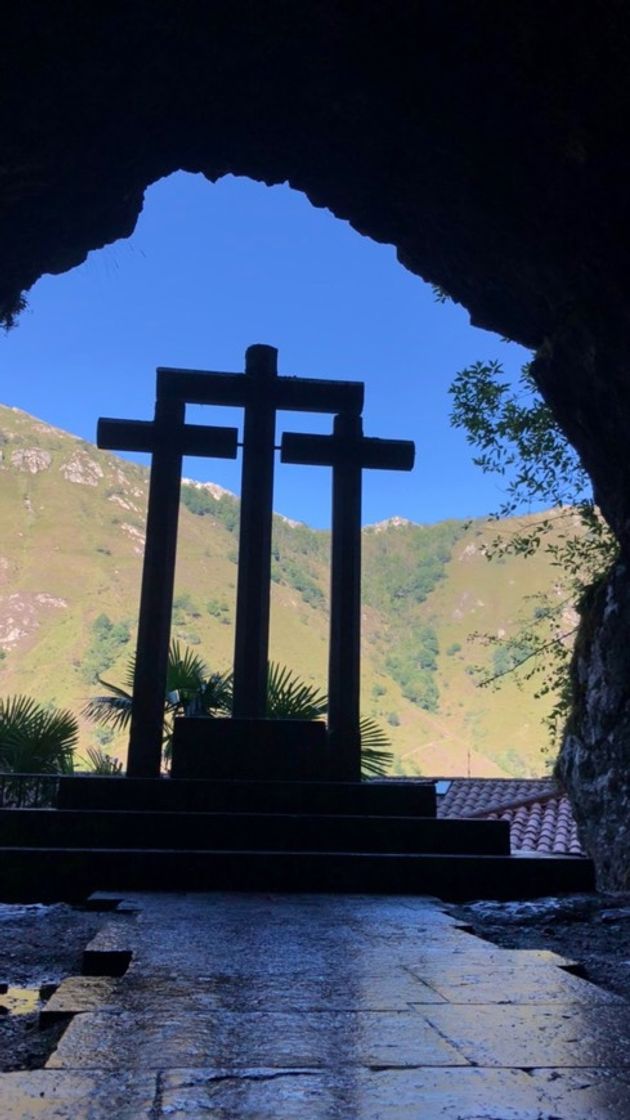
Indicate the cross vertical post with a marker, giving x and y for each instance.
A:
(251, 642)
(344, 653)
(156, 596)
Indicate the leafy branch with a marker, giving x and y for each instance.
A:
(517, 439)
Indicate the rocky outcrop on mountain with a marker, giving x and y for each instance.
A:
(30, 459)
(212, 488)
(136, 535)
(594, 763)
(82, 470)
(394, 522)
(20, 615)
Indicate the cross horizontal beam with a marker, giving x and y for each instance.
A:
(292, 394)
(187, 439)
(363, 452)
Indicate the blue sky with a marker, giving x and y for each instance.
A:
(212, 268)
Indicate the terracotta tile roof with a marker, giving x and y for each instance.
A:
(539, 813)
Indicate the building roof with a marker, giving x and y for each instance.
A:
(539, 814)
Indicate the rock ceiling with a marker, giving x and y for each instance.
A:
(487, 142)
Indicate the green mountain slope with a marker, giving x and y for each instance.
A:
(70, 561)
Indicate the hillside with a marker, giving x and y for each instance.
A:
(70, 561)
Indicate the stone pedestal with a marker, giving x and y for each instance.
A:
(270, 749)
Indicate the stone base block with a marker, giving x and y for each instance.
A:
(252, 748)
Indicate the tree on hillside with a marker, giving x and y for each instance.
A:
(517, 439)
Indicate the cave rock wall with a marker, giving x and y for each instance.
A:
(594, 762)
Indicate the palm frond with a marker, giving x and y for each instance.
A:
(186, 671)
(109, 711)
(97, 762)
(34, 738)
(289, 697)
(129, 677)
(215, 695)
(376, 755)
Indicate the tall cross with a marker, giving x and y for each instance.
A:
(262, 393)
(168, 438)
(349, 453)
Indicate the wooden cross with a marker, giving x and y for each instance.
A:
(349, 453)
(168, 438)
(261, 392)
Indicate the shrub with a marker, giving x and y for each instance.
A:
(107, 639)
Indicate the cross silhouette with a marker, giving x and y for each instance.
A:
(168, 438)
(349, 453)
(261, 393)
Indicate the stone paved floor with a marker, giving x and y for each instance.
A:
(308, 1006)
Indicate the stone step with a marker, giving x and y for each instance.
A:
(368, 798)
(46, 874)
(253, 831)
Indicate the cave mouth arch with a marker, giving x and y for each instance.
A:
(143, 256)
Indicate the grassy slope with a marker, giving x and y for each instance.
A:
(71, 551)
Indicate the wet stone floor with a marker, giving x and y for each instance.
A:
(270, 1007)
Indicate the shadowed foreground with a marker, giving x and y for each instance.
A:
(318, 1006)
